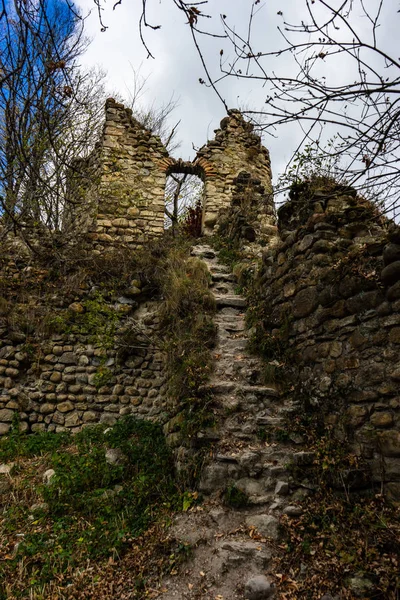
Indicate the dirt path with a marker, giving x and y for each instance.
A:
(232, 546)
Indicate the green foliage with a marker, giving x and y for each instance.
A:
(94, 510)
(98, 321)
(228, 251)
(4, 307)
(234, 497)
(102, 377)
(187, 324)
(16, 444)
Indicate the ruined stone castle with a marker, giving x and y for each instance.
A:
(330, 279)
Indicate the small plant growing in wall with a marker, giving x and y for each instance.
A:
(235, 497)
(102, 377)
(98, 321)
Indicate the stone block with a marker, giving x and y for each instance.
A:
(266, 525)
(47, 408)
(389, 442)
(72, 419)
(108, 419)
(68, 358)
(4, 428)
(305, 302)
(6, 415)
(89, 416)
(394, 335)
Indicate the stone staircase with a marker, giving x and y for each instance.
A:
(232, 547)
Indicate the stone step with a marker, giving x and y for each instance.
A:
(219, 387)
(229, 311)
(234, 323)
(230, 301)
(223, 277)
(218, 269)
(203, 251)
(238, 363)
(234, 344)
(260, 390)
(221, 289)
(268, 421)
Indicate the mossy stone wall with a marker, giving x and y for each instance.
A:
(330, 294)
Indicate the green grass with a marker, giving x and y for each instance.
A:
(92, 510)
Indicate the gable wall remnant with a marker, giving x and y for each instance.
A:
(236, 150)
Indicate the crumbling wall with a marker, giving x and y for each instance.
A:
(242, 171)
(331, 298)
(75, 353)
(124, 204)
(70, 381)
(119, 191)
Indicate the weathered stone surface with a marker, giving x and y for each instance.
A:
(391, 273)
(6, 415)
(115, 456)
(390, 442)
(47, 408)
(76, 307)
(381, 419)
(258, 588)
(393, 293)
(391, 253)
(68, 358)
(266, 525)
(360, 586)
(394, 335)
(48, 476)
(293, 511)
(65, 407)
(89, 416)
(108, 419)
(281, 488)
(72, 419)
(305, 302)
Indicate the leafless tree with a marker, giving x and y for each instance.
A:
(155, 118)
(344, 75)
(182, 190)
(334, 66)
(50, 110)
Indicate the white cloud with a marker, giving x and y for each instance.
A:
(177, 67)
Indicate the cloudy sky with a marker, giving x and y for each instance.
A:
(176, 69)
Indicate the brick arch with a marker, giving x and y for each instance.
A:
(200, 167)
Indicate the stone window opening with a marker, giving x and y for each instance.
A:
(184, 192)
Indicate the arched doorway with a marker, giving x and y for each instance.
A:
(184, 195)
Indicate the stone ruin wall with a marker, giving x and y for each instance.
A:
(330, 285)
(242, 168)
(121, 186)
(125, 202)
(331, 291)
(59, 385)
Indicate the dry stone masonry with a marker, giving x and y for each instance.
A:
(122, 185)
(331, 293)
(71, 381)
(329, 287)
